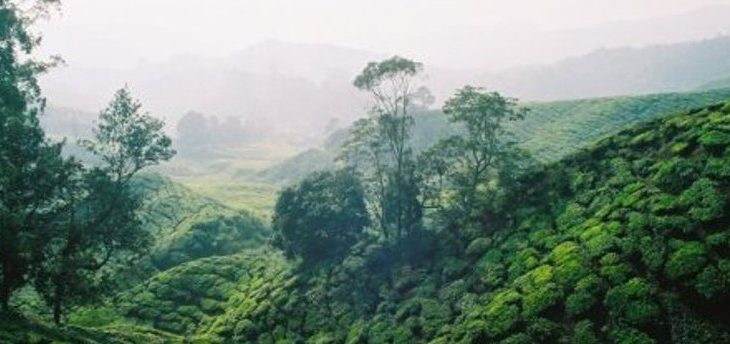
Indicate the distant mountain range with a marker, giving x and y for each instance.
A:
(298, 88)
(623, 71)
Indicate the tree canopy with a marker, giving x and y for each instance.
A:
(320, 217)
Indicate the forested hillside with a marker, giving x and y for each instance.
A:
(188, 226)
(491, 219)
(624, 242)
(550, 130)
(553, 130)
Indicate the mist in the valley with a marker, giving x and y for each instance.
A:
(282, 70)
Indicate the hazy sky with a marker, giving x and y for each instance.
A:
(449, 33)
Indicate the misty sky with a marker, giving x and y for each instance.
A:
(459, 34)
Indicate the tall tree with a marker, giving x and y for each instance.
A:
(193, 131)
(98, 223)
(382, 140)
(30, 166)
(469, 162)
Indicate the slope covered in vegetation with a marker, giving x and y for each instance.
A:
(554, 130)
(184, 299)
(15, 330)
(626, 242)
(550, 131)
(189, 226)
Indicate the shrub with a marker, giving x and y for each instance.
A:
(718, 167)
(652, 252)
(542, 330)
(584, 296)
(674, 174)
(571, 216)
(713, 280)
(583, 333)
(502, 312)
(703, 200)
(627, 335)
(519, 338)
(632, 302)
(544, 238)
(524, 260)
(663, 204)
(537, 300)
(570, 271)
(97, 316)
(613, 269)
(714, 138)
(688, 258)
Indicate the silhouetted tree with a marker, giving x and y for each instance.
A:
(379, 147)
(30, 166)
(97, 222)
(458, 170)
(321, 217)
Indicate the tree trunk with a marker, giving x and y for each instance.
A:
(57, 310)
(56, 314)
(5, 290)
(5, 299)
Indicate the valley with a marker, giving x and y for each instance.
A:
(572, 187)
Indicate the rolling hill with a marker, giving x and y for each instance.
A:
(625, 241)
(551, 130)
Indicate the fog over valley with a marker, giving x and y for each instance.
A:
(364, 171)
(222, 65)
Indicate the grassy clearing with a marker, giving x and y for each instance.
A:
(258, 198)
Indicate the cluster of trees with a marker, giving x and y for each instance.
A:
(451, 183)
(196, 130)
(62, 221)
(627, 241)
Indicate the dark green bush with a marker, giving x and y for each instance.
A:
(687, 259)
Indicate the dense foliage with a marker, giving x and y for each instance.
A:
(554, 130)
(462, 174)
(438, 232)
(625, 242)
(379, 147)
(64, 221)
(185, 298)
(321, 217)
(30, 166)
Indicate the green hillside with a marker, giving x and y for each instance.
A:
(626, 242)
(18, 330)
(292, 169)
(186, 226)
(551, 131)
(191, 297)
(552, 218)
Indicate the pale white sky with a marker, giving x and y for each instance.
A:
(449, 33)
